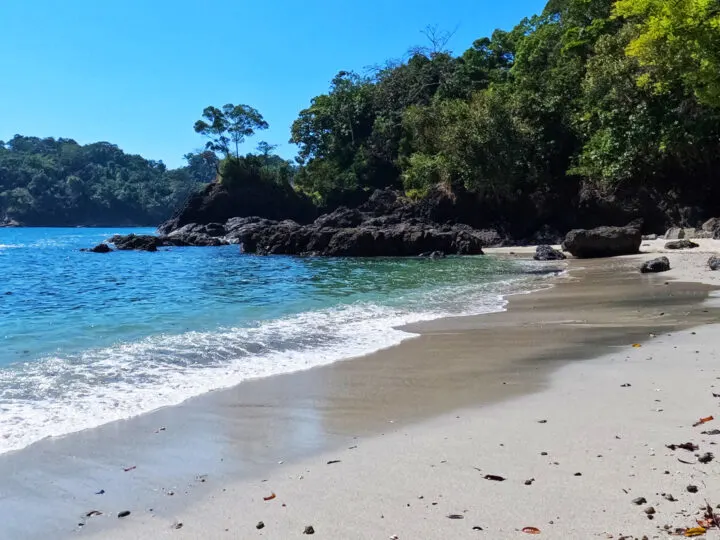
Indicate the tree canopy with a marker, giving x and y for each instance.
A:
(589, 97)
(59, 182)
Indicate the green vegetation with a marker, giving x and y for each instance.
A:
(591, 97)
(59, 182)
(592, 103)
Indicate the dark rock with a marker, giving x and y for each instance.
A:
(714, 262)
(711, 225)
(309, 530)
(218, 203)
(603, 242)
(649, 510)
(124, 513)
(260, 525)
(639, 501)
(661, 264)
(548, 253)
(340, 218)
(100, 248)
(140, 242)
(675, 233)
(681, 244)
(692, 489)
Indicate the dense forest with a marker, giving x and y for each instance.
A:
(594, 110)
(59, 182)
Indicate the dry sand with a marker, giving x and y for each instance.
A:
(575, 444)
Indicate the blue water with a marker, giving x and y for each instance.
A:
(89, 338)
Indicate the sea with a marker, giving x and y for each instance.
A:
(88, 338)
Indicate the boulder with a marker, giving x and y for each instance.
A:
(139, 242)
(649, 237)
(661, 264)
(100, 248)
(714, 262)
(675, 233)
(548, 253)
(603, 242)
(681, 244)
(711, 225)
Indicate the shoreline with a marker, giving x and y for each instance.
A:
(320, 421)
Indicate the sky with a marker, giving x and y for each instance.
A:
(138, 73)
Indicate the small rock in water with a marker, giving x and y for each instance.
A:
(309, 530)
(260, 525)
(639, 501)
(124, 513)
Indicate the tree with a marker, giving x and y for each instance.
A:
(231, 124)
(678, 40)
(266, 149)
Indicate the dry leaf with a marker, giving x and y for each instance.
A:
(695, 531)
(703, 420)
(636, 345)
(531, 530)
(269, 497)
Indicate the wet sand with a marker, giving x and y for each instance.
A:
(232, 440)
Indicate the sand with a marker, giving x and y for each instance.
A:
(576, 442)
(412, 431)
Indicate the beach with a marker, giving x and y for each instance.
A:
(571, 396)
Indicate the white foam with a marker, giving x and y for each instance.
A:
(61, 395)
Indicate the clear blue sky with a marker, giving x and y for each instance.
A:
(138, 73)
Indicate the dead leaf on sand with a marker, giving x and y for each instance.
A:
(703, 421)
(270, 497)
(695, 531)
(685, 446)
(637, 345)
(494, 477)
(531, 530)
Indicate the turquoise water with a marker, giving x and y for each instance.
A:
(90, 338)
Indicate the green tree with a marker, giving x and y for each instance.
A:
(677, 40)
(231, 124)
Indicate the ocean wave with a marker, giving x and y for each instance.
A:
(59, 395)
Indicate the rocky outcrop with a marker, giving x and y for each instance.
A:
(9, 222)
(661, 264)
(366, 239)
(385, 225)
(548, 253)
(714, 262)
(603, 242)
(218, 202)
(137, 242)
(681, 244)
